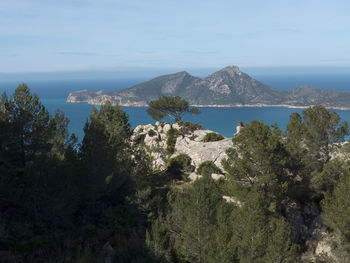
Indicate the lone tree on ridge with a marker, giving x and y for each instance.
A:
(174, 107)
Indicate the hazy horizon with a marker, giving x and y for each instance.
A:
(149, 73)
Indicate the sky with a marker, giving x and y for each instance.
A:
(145, 35)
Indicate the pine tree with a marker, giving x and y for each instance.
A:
(309, 139)
(323, 128)
(34, 183)
(192, 220)
(259, 159)
(260, 235)
(279, 246)
(173, 107)
(105, 153)
(336, 208)
(336, 216)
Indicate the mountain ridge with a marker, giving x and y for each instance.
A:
(228, 87)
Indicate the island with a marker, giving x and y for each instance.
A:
(228, 87)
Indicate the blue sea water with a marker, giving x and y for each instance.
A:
(53, 94)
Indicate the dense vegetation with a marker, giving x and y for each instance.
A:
(64, 201)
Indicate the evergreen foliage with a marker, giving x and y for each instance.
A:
(61, 201)
(179, 164)
(213, 137)
(337, 217)
(152, 133)
(192, 220)
(172, 135)
(173, 107)
(189, 127)
(262, 236)
(260, 160)
(309, 139)
(336, 207)
(208, 168)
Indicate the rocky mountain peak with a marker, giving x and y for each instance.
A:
(227, 72)
(232, 68)
(230, 71)
(182, 73)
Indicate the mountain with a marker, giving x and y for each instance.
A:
(224, 88)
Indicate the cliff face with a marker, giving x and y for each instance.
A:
(228, 87)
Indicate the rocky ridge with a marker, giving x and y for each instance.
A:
(155, 137)
(228, 87)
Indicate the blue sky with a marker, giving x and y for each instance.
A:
(107, 35)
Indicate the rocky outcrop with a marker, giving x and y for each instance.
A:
(203, 151)
(155, 138)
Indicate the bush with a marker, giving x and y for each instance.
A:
(140, 138)
(171, 141)
(213, 137)
(189, 127)
(177, 165)
(151, 133)
(208, 168)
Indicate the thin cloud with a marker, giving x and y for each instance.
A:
(198, 52)
(85, 54)
(77, 53)
(336, 60)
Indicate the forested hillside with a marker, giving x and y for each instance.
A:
(283, 197)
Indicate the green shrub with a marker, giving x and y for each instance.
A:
(193, 137)
(189, 127)
(151, 133)
(177, 165)
(139, 138)
(213, 137)
(208, 168)
(140, 130)
(171, 141)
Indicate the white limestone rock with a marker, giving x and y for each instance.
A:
(158, 162)
(323, 248)
(232, 199)
(176, 126)
(203, 151)
(148, 127)
(138, 129)
(166, 128)
(151, 141)
(217, 176)
(163, 137)
(239, 128)
(198, 150)
(200, 134)
(194, 176)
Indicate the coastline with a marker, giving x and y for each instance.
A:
(258, 105)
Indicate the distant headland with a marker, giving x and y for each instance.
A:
(228, 87)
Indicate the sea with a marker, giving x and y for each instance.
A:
(53, 94)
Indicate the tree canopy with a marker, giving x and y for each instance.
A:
(101, 199)
(173, 107)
